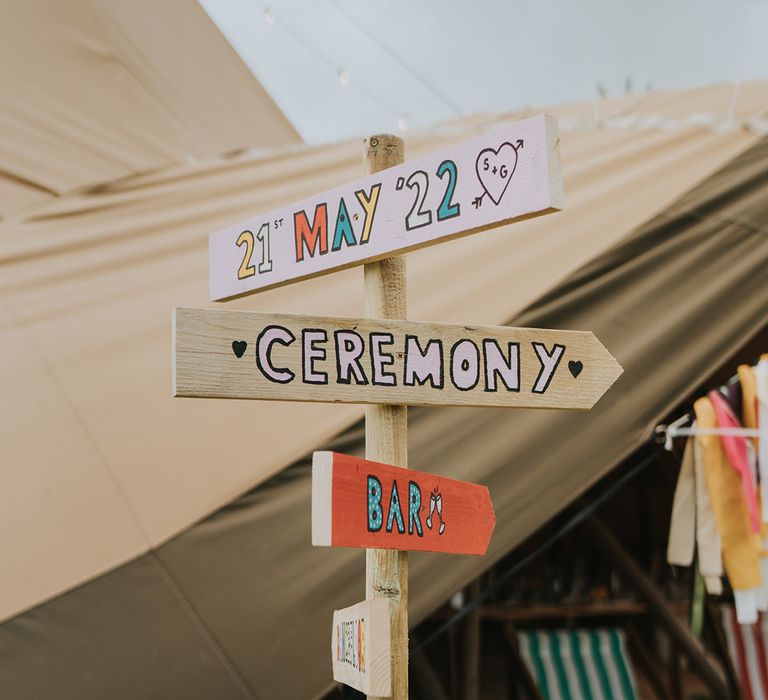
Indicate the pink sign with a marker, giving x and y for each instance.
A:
(509, 174)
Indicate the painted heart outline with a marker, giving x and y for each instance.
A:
(495, 167)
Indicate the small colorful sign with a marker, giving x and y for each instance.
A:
(247, 355)
(359, 503)
(360, 647)
(503, 176)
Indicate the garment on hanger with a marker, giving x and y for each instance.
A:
(682, 525)
(761, 394)
(731, 392)
(707, 535)
(740, 545)
(738, 455)
(692, 525)
(748, 377)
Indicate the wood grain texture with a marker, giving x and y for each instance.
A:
(508, 175)
(360, 642)
(458, 365)
(361, 503)
(386, 428)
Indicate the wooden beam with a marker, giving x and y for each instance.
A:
(576, 610)
(472, 642)
(527, 682)
(518, 613)
(425, 675)
(675, 683)
(646, 663)
(721, 645)
(647, 590)
(386, 428)
(453, 660)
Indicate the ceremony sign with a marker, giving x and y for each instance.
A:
(247, 355)
(360, 647)
(503, 176)
(359, 503)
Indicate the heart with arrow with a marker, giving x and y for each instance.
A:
(495, 167)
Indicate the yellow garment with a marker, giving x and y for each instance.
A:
(741, 547)
(748, 383)
(748, 396)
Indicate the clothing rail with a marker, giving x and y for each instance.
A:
(676, 428)
(670, 432)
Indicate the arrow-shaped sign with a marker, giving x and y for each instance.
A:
(246, 355)
(358, 503)
(422, 202)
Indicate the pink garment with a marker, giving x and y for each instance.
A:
(738, 455)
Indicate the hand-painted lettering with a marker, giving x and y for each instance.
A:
(381, 359)
(394, 508)
(350, 347)
(343, 231)
(310, 353)
(414, 506)
(270, 335)
(465, 365)
(348, 360)
(395, 511)
(549, 362)
(314, 237)
(368, 203)
(350, 643)
(421, 366)
(496, 364)
(375, 511)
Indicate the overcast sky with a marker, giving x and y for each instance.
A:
(344, 68)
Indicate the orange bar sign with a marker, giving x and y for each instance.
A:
(359, 503)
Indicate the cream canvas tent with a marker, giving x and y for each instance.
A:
(157, 547)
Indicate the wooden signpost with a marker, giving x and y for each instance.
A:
(360, 643)
(387, 363)
(245, 355)
(359, 503)
(507, 175)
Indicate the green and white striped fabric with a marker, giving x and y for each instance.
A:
(586, 664)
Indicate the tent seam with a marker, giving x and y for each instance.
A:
(714, 218)
(202, 628)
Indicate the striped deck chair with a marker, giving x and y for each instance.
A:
(585, 664)
(747, 645)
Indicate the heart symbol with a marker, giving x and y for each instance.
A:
(239, 346)
(494, 169)
(575, 367)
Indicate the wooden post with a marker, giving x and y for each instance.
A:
(386, 438)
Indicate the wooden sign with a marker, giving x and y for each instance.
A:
(359, 503)
(360, 647)
(493, 179)
(246, 355)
